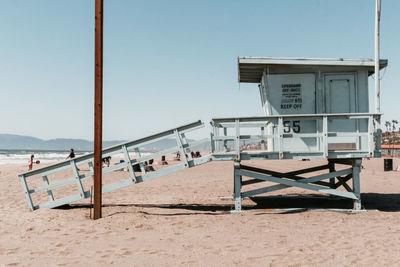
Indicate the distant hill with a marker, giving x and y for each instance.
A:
(12, 141)
(21, 142)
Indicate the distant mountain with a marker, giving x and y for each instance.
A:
(12, 141)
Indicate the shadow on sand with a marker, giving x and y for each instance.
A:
(370, 201)
(203, 209)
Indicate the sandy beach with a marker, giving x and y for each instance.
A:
(180, 220)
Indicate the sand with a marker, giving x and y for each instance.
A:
(180, 220)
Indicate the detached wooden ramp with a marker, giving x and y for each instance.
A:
(75, 166)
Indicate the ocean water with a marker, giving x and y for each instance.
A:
(46, 156)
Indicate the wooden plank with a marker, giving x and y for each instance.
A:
(344, 183)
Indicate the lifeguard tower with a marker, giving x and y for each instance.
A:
(314, 108)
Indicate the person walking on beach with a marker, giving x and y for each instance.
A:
(31, 163)
(71, 154)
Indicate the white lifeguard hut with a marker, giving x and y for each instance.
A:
(294, 86)
(314, 108)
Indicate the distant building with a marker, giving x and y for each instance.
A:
(390, 150)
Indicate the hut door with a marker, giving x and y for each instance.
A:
(340, 97)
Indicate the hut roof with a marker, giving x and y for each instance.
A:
(251, 69)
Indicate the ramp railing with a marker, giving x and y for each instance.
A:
(68, 184)
(350, 135)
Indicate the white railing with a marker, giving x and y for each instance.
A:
(282, 136)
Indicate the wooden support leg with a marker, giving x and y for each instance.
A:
(356, 184)
(237, 184)
(26, 191)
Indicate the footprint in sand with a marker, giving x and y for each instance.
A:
(126, 251)
(12, 251)
(188, 263)
(65, 252)
(139, 226)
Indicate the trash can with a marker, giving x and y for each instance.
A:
(387, 165)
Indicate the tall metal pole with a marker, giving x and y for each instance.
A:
(377, 76)
(98, 108)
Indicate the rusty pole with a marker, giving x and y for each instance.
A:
(98, 107)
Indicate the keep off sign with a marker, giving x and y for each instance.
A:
(291, 96)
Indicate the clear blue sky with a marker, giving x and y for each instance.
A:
(171, 62)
